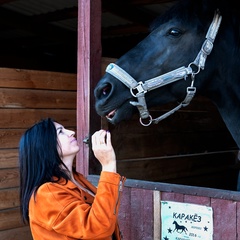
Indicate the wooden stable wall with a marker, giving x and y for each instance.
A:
(139, 214)
(26, 97)
(191, 147)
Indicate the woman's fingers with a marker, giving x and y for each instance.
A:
(108, 138)
(99, 137)
(103, 150)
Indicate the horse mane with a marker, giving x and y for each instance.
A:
(187, 10)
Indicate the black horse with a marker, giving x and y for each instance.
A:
(194, 48)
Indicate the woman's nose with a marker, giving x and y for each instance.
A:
(70, 133)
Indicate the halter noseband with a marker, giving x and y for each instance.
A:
(138, 89)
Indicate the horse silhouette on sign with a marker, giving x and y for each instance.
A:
(179, 228)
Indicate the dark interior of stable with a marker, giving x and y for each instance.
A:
(43, 36)
(193, 147)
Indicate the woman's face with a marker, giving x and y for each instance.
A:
(67, 141)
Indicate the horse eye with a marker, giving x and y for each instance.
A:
(175, 32)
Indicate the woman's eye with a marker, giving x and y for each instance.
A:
(60, 131)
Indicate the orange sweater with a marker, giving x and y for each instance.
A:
(64, 211)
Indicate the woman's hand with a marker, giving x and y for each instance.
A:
(103, 150)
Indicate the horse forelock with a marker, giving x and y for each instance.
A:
(185, 11)
(189, 11)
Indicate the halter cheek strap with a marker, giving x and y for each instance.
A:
(138, 89)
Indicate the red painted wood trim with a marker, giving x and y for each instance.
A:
(238, 221)
(89, 71)
(225, 219)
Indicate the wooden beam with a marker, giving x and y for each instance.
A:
(6, 1)
(127, 11)
(15, 20)
(89, 71)
(62, 14)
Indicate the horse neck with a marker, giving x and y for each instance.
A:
(230, 114)
(224, 90)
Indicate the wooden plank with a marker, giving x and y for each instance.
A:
(29, 79)
(9, 198)
(9, 158)
(177, 188)
(26, 97)
(89, 71)
(83, 82)
(31, 98)
(177, 166)
(171, 144)
(22, 233)
(191, 130)
(238, 220)
(218, 180)
(206, 201)
(24, 118)
(9, 178)
(9, 138)
(156, 215)
(209, 170)
(10, 218)
(225, 204)
(169, 139)
(225, 219)
(142, 210)
(172, 196)
(147, 217)
(188, 121)
(125, 217)
(136, 213)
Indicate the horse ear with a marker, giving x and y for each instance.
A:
(209, 6)
(204, 8)
(224, 6)
(199, 7)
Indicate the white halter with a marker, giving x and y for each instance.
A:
(138, 89)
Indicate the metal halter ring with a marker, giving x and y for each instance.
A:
(197, 66)
(148, 124)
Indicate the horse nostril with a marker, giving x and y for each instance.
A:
(102, 91)
(106, 90)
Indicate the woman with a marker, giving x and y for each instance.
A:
(58, 202)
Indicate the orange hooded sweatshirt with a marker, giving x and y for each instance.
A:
(64, 211)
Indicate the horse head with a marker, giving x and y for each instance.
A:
(175, 40)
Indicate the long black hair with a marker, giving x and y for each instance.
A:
(39, 161)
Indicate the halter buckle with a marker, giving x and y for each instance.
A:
(139, 89)
(190, 94)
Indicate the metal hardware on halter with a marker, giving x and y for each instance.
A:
(138, 89)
